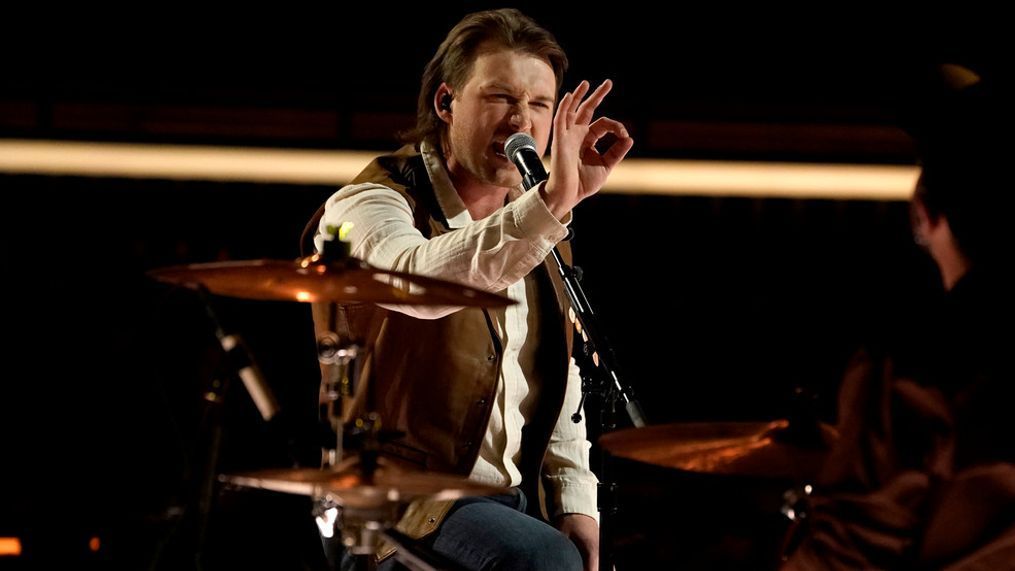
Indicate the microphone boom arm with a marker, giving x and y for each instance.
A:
(520, 148)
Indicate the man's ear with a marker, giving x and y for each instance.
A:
(442, 102)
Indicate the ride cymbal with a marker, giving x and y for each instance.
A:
(312, 279)
(761, 449)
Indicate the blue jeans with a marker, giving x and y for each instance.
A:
(494, 533)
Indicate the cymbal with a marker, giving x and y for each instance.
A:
(761, 449)
(312, 279)
(347, 486)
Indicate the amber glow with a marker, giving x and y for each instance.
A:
(304, 166)
(10, 546)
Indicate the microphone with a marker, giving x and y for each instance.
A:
(521, 149)
(242, 362)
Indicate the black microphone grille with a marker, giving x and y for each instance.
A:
(518, 141)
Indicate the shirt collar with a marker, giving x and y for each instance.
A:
(450, 203)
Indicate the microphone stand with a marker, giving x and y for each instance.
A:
(212, 424)
(206, 488)
(596, 346)
(521, 150)
(608, 384)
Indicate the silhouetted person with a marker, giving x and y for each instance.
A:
(924, 473)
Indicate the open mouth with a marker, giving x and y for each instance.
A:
(498, 149)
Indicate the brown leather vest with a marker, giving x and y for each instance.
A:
(436, 380)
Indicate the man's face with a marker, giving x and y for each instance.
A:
(507, 92)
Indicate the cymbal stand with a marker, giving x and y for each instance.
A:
(360, 526)
(339, 359)
(364, 528)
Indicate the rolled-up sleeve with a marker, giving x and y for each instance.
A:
(572, 485)
(488, 254)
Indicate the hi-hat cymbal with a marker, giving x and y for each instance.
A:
(761, 449)
(311, 279)
(347, 485)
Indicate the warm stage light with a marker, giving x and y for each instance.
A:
(292, 166)
(10, 546)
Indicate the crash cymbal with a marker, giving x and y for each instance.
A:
(347, 486)
(311, 279)
(761, 449)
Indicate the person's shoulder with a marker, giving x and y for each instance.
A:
(391, 166)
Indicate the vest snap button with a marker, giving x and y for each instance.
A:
(481, 402)
(491, 357)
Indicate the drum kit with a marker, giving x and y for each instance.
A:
(364, 494)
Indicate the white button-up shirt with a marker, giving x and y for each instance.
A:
(492, 254)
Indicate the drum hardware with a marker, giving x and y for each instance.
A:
(361, 495)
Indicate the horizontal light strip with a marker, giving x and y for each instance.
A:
(181, 162)
(10, 546)
(288, 166)
(765, 180)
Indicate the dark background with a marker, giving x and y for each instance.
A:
(718, 308)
